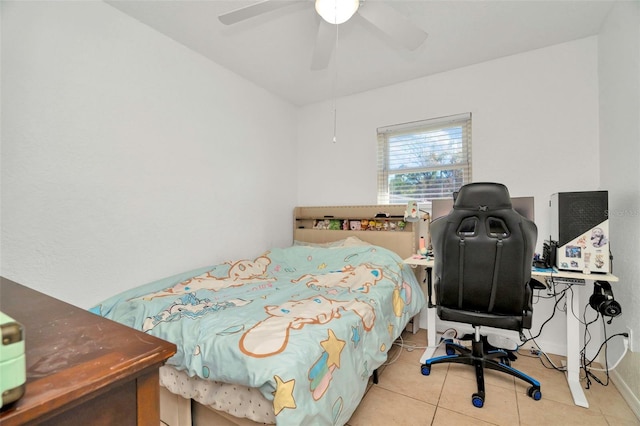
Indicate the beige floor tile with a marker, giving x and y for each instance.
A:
(617, 421)
(553, 383)
(491, 377)
(549, 412)
(609, 401)
(405, 397)
(405, 378)
(383, 407)
(412, 356)
(446, 417)
(499, 408)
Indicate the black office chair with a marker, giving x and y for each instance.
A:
(483, 252)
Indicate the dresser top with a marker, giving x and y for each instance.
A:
(71, 352)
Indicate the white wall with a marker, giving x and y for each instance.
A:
(127, 157)
(535, 126)
(619, 72)
(535, 129)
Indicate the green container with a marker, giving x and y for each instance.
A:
(13, 368)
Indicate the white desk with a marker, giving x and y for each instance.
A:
(427, 263)
(572, 324)
(573, 329)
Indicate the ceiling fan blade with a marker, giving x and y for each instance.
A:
(393, 24)
(252, 10)
(325, 42)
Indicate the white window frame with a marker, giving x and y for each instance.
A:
(418, 140)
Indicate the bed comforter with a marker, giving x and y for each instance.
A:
(305, 325)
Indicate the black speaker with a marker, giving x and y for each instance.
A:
(602, 300)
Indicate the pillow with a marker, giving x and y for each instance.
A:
(324, 245)
(347, 242)
(354, 242)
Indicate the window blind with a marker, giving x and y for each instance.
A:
(424, 160)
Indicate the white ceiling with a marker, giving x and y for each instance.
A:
(274, 50)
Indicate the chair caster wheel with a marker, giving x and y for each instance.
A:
(534, 392)
(425, 369)
(477, 400)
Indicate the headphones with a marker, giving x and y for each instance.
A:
(602, 300)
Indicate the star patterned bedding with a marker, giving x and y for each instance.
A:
(305, 325)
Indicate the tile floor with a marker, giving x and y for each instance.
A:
(404, 396)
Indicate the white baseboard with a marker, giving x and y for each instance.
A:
(632, 400)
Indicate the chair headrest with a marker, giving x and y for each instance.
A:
(483, 196)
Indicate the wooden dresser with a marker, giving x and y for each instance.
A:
(81, 368)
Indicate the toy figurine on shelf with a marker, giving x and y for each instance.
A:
(422, 251)
(335, 225)
(412, 212)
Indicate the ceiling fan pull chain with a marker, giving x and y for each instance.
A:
(335, 85)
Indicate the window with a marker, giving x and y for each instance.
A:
(424, 160)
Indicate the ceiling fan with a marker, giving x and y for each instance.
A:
(335, 12)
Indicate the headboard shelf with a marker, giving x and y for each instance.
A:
(395, 211)
(404, 242)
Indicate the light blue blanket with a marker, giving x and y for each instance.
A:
(305, 325)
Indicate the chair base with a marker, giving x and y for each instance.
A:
(493, 359)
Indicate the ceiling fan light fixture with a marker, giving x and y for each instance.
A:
(337, 11)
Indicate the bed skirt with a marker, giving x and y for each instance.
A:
(238, 401)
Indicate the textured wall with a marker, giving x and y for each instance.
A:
(619, 69)
(127, 157)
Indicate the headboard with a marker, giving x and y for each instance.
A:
(310, 225)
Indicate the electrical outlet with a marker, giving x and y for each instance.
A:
(632, 347)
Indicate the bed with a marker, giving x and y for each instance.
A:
(290, 337)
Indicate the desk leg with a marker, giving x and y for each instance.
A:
(431, 326)
(573, 354)
(431, 335)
